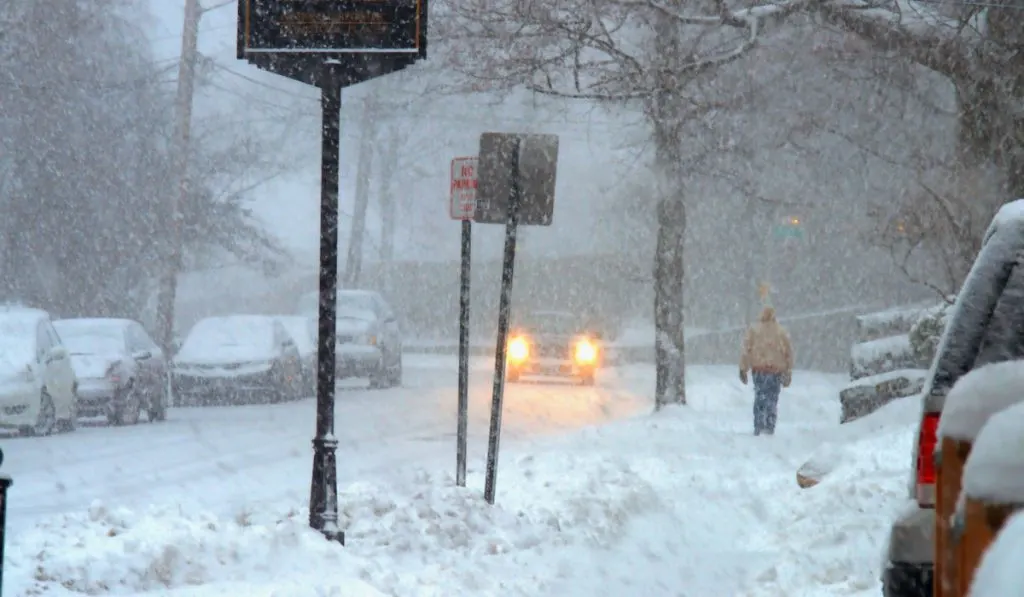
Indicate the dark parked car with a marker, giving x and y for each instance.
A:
(121, 371)
(369, 340)
(986, 325)
(234, 359)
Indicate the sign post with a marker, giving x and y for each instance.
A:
(330, 44)
(462, 204)
(515, 185)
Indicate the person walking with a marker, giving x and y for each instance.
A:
(768, 356)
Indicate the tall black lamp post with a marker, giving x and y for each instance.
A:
(5, 483)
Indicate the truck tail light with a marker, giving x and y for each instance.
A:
(927, 439)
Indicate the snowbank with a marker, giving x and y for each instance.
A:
(119, 551)
(1000, 573)
(977, 396)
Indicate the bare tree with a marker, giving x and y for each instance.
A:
(656, 56)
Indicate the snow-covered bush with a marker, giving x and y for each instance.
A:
(926, 332)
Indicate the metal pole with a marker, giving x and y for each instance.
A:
(183, 101)
(507, 269)
(463, 417)
(323, 492)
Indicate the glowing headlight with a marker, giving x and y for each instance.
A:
(518, 349)
(586, 352)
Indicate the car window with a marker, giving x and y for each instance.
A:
(142, 337)
(136, 342)
(51, 334)
(43, 342)
(382, 308)
(971, 316)
(1004, 337)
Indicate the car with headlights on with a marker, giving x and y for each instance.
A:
(553, 343)
(120, 369)
(37, 382)
(235, 359)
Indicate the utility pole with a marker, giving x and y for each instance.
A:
(183, 134)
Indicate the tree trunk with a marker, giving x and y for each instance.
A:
(364, 170)
(387, 199)
(666, 116)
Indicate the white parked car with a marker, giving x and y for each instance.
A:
(37, 382)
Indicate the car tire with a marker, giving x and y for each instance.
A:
(46, 420)
(128, 409)
(71, 423)
(379, 378)
(395, 374)
(907, 580)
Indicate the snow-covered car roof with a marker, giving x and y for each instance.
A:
(27, 314)
(84, 324)
(978, 395)
(994, 471)
(18, 336)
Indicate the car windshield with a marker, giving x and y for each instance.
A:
(90, 339)
(552, 323)
(253, 333)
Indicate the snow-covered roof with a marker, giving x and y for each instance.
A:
(1000, 573)
(17, 313)
(994, 471)
(299, 328)
(978, 395)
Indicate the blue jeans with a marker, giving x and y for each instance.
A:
(767, 387)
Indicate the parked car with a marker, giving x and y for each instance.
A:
(120, 369)
(554, 343)
(227, 360)
(304, 334)
(369, 340)
(37, 383)
(981, 329)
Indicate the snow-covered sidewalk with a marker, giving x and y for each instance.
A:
(684, 503)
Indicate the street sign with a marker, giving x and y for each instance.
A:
(363, 38)
(501, 169)
(462, 197)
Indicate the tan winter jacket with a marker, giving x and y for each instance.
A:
(766, 349)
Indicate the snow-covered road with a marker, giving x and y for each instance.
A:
(199, 452)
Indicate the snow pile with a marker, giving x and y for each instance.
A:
(845, 446)
(832, 535)
(1000, 573)
(994, 472)
(119, 551)
(978, 395)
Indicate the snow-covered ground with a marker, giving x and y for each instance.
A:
(594, 496)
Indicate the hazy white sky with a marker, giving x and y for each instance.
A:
(587, 175)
